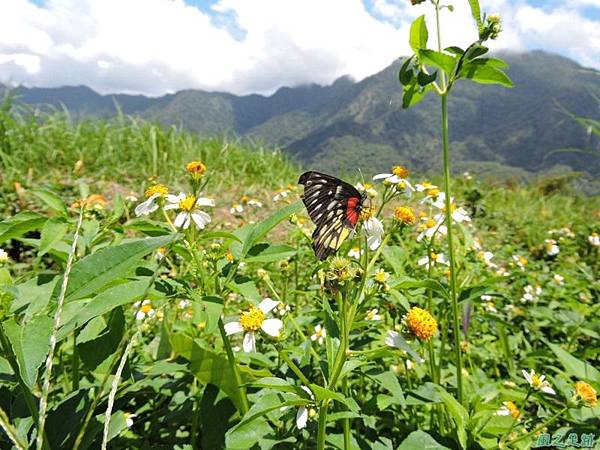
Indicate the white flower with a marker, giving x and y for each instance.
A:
(538, 382)
(558, 279)
(283, 308)
(255, 203)
(432, 226)
(372, 315)
(319, 335)
(594, 240)
(381, 276)
(551, 247)
(460, 215)
(252, 320)
(425, 186)
(354, 253)
(131, 198)
(373, 229)
(183, 304)
(236, 208)
(188, 206)
(144, 309)
(521, 261)
(367, 188)
(3, 256)
(398, 179)
(531, 294)
(467, 176)
(280, 195)
(302, 414)
(129, 419)
(148, 206)
(433, 259)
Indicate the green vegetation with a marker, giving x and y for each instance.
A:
(177, 388)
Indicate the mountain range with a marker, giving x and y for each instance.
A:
(349, 125)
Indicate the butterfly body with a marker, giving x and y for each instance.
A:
(334, 206)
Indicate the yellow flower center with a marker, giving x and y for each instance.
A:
(400, 171)
(514, 411)
(434, 256)
(405, 215)
(367, 186)
(535, 381)
(430, 223)
(146, 308)
(319, 333)
(188, 203)
(252, 319)
(157, 189)
(434, 192)
(367, 213)
(229, 256)
(371, 314)
(523, 260)
(196, 168)
(96, 200)
(244, 199)
(587, 393)
(421, 323)
(381, 276)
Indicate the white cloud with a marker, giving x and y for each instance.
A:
(157, 46)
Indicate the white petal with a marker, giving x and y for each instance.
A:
(267, 305)
(200, 218)
(140, 315)
(503, 412)
(381, 176)
(272, 327)
(171, 206)
(204, 201)
(392, 339)
(301, 417)
(175, 198)
(147, 207)
(548, 390)
(308, 391)
(180, 219)
(527, 375)
(249, 343)
(424, 260)
(232, 328)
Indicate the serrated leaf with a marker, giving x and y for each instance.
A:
(97, 270)
(30, 345)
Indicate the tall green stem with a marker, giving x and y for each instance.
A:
(454, 299)
(322, 425)
(234, 368)
(446, 151)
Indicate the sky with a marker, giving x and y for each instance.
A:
(154, 47)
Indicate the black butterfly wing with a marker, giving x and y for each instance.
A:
(334, 207)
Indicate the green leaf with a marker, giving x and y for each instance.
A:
(264, 253)
(245, 437)
(94, 352)
(20, 224)
(476, 13)
(418, 34)
(219, 235)
(424, 79)
(210, 367)
(259, 230)
(389, 381)
(52, 232)
(440, 60)
(485, 73)
(211, 308)
(30, 345)
(322, 393)
(413, 94)
(458, 413)
(216, 410)
(104, 302)
(574, 366)
(419, 440)
(406, 74)
(149, 227)
(434, 285)
(95, 271)
(52, 200)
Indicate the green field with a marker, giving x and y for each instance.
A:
(144, 308)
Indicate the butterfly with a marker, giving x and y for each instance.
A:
(334, 206)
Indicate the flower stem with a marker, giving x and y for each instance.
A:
(234, 368)
(322, 424)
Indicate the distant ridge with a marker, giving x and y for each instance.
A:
(351, 124)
